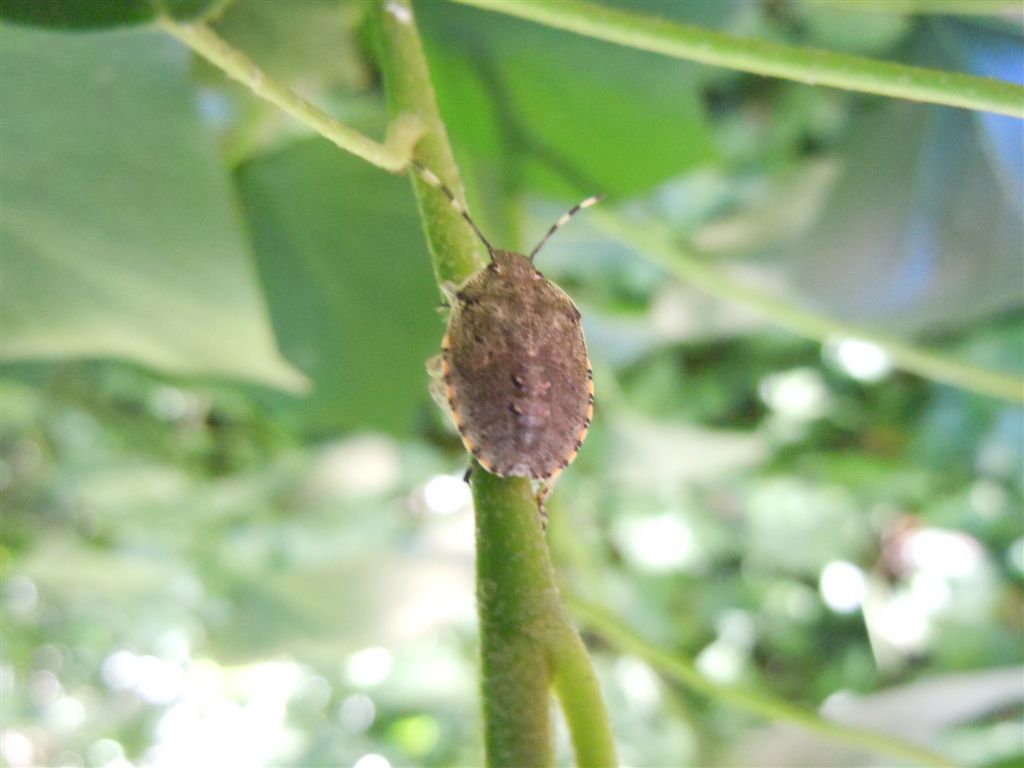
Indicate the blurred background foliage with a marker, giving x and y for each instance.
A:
(233, 526)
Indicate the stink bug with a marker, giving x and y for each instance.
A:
(514, 363)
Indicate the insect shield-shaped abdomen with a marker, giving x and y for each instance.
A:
(515, 366)
(516, 370)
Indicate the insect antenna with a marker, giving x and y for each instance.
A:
(432, 179)
(565, 220)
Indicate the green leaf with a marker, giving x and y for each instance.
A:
(119, 235)
(348, 279)
(609, 119)
(95, 14)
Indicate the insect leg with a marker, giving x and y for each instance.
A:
(543, 491)
(435, 366)
(439, 394)
(438, 386)
(449, 290)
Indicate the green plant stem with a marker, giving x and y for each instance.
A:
(804, 65)
(454, 249)
(517, 601)
(655, 243)
(683, 671)
(527, 642)
(922, 7)
(579, 692)
(393, 155)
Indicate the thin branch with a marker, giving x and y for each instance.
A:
(393, 155)
(772, 709)
(656, 243)
(579, 692)
(454, 249)
(923, 7)
(804, 65)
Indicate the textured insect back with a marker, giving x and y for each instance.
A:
(514, 363)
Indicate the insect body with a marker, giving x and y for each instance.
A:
(516, 371)
(514, 363)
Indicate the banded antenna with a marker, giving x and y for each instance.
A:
(592, 200)
(431, 178)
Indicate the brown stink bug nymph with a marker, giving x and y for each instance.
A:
(514, 363)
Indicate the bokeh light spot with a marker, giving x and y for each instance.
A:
(859, 359)
(799, 395)
(16, 748)
(357, 713)
(372, 760)
(369, 666)
(843, 586)
(446, 494)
